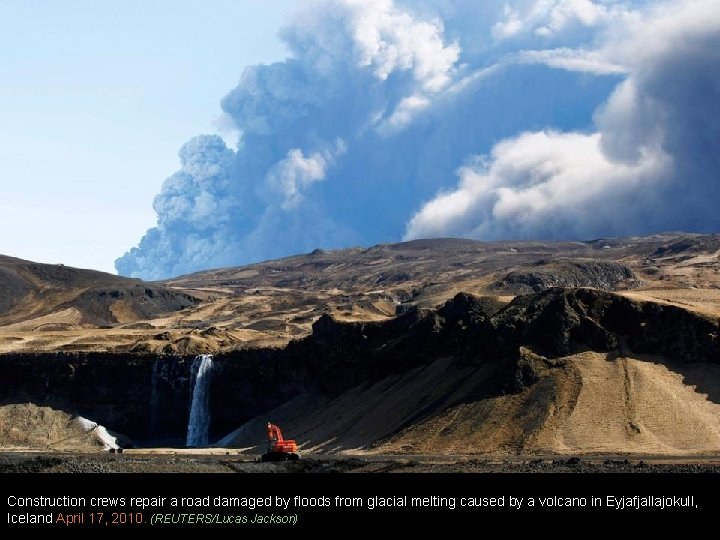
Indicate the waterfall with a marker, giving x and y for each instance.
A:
(157, 372)
(199, 420)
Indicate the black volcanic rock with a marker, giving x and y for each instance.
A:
(466, 308)
(559, 322)
(543, 275)
(148, 398)
(145, 397)
(689, 245)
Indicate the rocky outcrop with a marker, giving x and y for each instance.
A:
(688, 245)
(106, 306)
(500, 351)
(543, 275)
(27, 426)
(564, 321)
(142, 396)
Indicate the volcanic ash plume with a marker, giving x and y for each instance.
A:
(491, 120)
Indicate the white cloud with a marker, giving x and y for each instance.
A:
(294, 173)
(567, 12)
(551, 18)
(561, 184)
(649, 165)
(291, 176)
(405, 112)
(510, 26)
(572, 60)
(388, 39)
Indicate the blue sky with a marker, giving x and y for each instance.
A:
(95, 101)
(365, 121)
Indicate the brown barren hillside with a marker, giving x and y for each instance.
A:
(32, 291)
(426, 347)
(559, 372)
(49, 307)
(596, 404)
(43, 306)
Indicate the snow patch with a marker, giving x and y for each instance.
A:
(109, 442)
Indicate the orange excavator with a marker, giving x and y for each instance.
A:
(279, 449)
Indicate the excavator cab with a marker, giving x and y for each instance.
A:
(278, 448)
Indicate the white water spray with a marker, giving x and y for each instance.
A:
(199, 421)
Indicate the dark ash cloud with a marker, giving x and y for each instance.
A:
(565, 119)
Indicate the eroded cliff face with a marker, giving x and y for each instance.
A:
(491, 351)
(141, 396)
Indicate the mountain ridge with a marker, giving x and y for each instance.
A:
(273, 302)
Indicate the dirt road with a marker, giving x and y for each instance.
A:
(183, 461)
